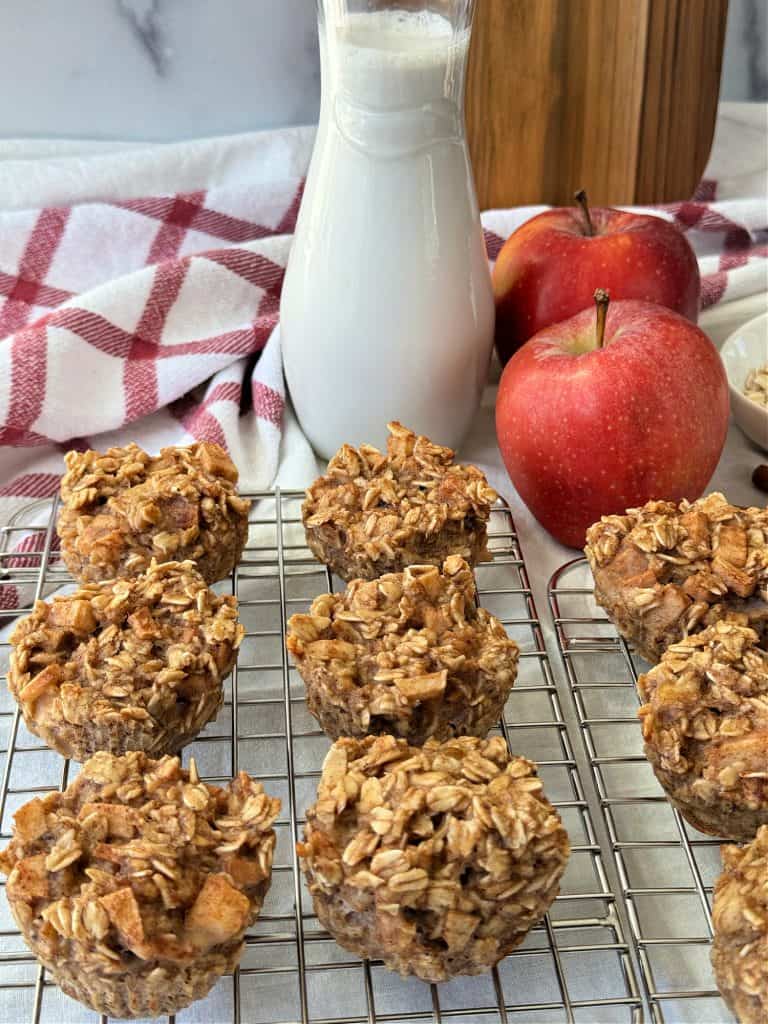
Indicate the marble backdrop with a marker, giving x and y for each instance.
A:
(175, 69)
(156, 69)
(745, 62)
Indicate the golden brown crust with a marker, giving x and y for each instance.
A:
(148, 993)
(705, 725)
(374, 513)
(135, 885)
(132, 664)
(436, 859)
(124, 507)
(740, 916)
(665, 570)
(409, 654)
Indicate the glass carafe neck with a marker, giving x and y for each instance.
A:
(390, 56)
(458, 13)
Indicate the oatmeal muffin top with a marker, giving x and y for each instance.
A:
(443, 835)
(400, 637)
(141, 652)
(138, 856)
(123, 507)
(413, 489)
(706, 714)
(740, 916)
(709, 546)
(670, 561)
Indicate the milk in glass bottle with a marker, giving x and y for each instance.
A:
(387, 308)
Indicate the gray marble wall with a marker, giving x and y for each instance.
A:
(156, 69)
(745, 64)
(174, 69)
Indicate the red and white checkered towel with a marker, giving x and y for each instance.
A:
(139, 291)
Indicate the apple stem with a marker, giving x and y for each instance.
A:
(581, 199)
(602, 298)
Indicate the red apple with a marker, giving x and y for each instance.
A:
(549, 268)
(602, 413)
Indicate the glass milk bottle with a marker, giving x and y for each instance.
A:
(387, 309)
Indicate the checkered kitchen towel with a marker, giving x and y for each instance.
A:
(139, 290)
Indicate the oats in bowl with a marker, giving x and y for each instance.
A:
(378, 512)
(409, 654)
(756, 386)
(438, 859)
(667, 570)
(131, 664)
(134, 887)
(744, 356)
(705, 726)
(123, 508)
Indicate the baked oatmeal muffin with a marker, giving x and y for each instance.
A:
(740, 916)
(130, 664)
(134, 887)
(436, 859)
(705, 726)
(374, 513)
(409, 654)
(665, 570)
(123, 508)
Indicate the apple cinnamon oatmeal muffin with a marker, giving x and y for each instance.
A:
(436, 859)
(124, 507)
(130, 664)
(740, 917)
(665, 570)
(705, 726)
(409, 654)
(134, 887)
(376, 512)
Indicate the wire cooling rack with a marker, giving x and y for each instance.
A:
(573, 968)
(666, 868)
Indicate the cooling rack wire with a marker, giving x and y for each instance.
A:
(576, 967)
(666, 869)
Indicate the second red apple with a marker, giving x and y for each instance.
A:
(593, 418)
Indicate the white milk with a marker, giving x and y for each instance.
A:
(387, 309)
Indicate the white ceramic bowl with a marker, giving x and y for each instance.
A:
(744, 350)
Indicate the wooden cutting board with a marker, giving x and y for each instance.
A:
(615, 96)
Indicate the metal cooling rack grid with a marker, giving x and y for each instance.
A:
(574, 967)
(666, 868)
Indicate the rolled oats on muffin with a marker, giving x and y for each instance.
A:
(740, 917)
(409, 654)
(705, 726)
(666, 570)
(130, 664)
(123, 507)
(375, 512)
(437, 859)
(134, 887)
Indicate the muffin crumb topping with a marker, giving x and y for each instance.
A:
(129, 664)
(410, 654)
(448, 853)
(740, 917)
(383, 507)
(123, 507)
(139, 856)
(705, 726)
(667, 570)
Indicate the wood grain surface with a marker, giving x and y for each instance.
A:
(615, 96)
